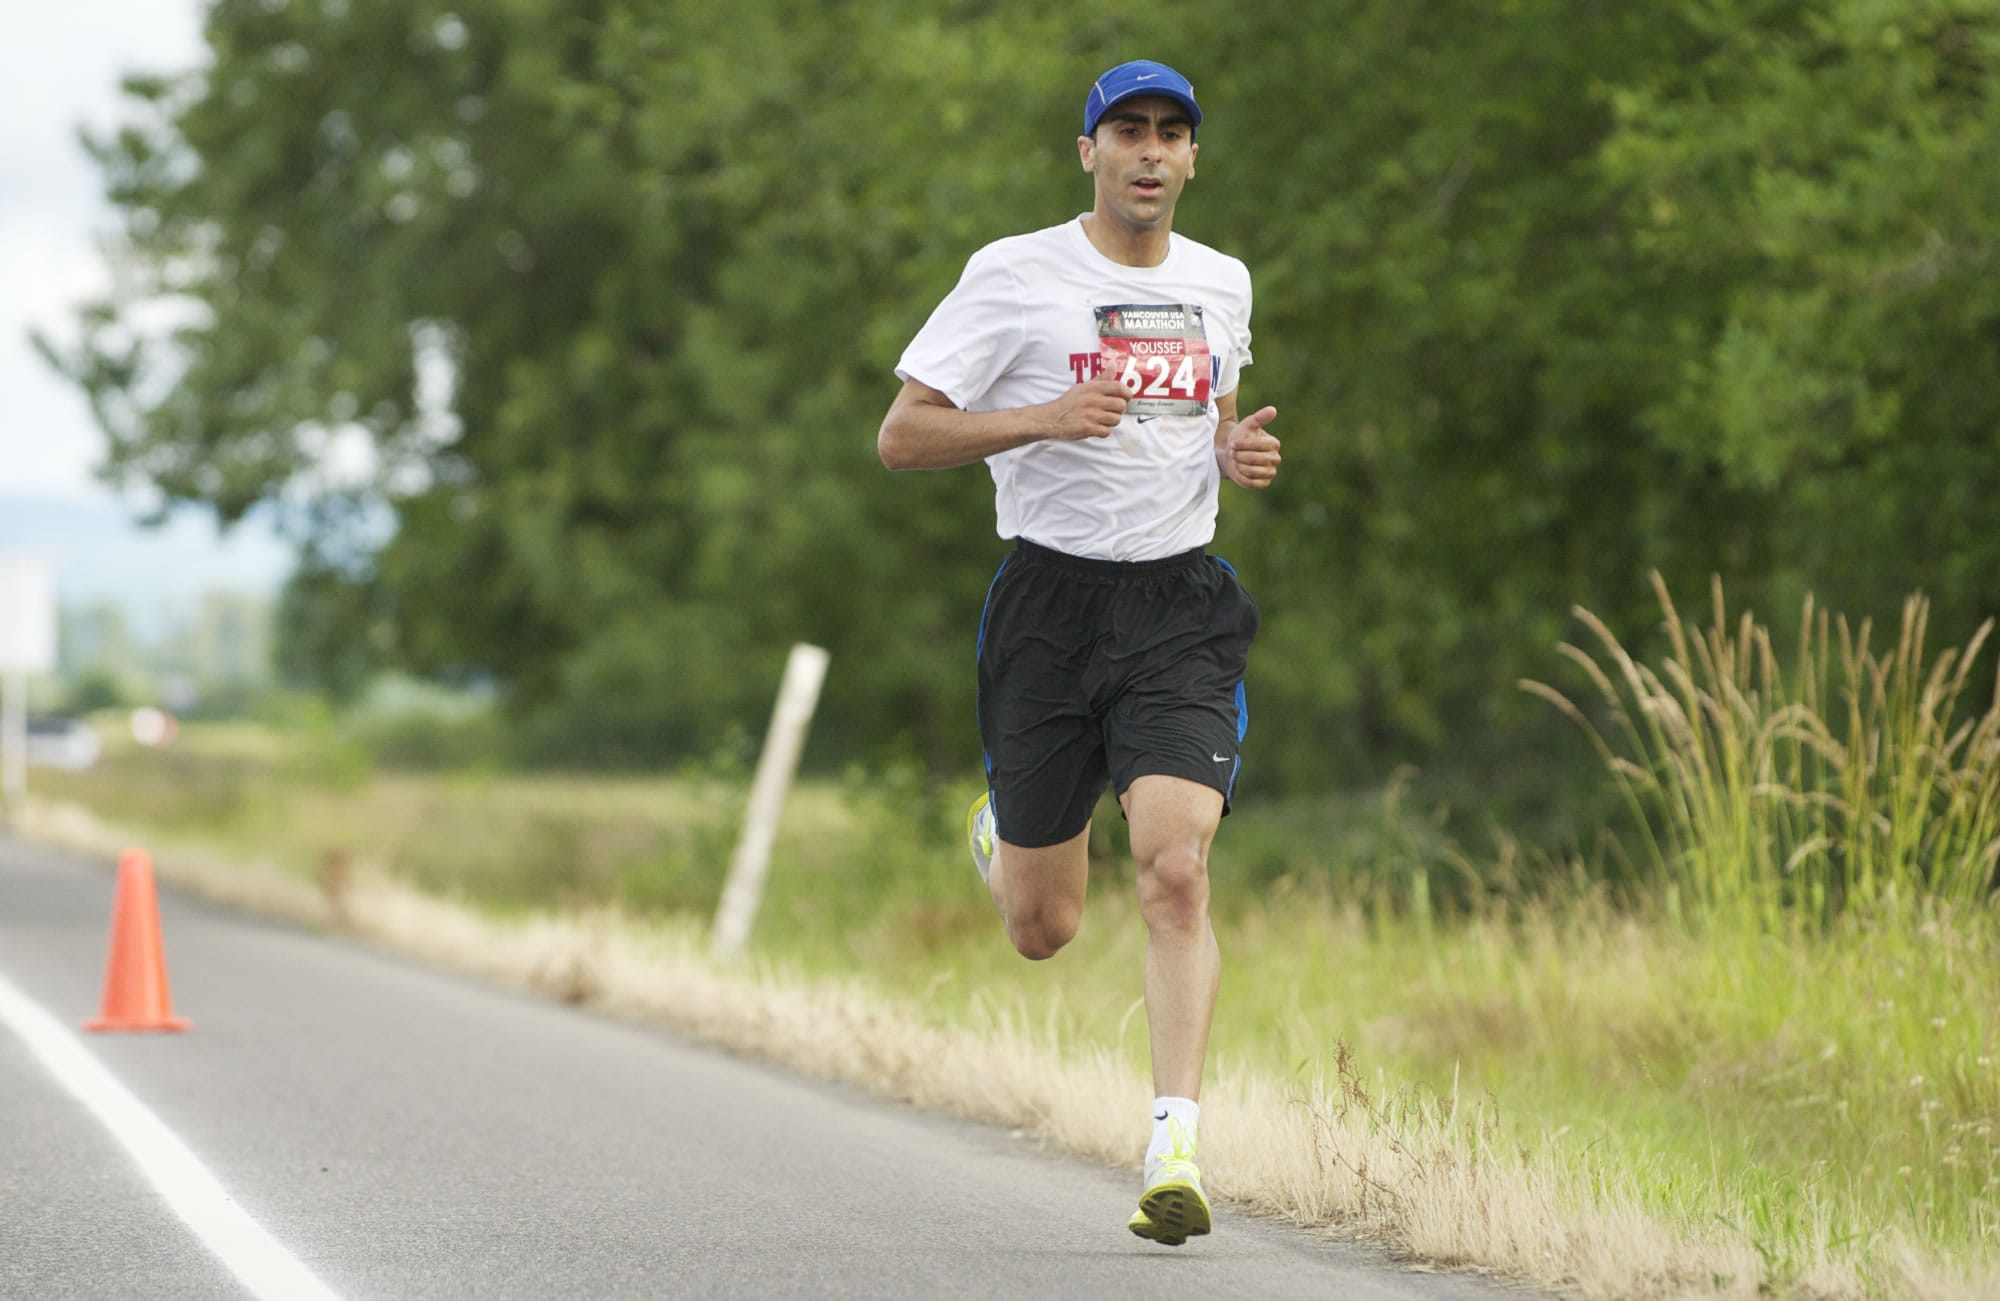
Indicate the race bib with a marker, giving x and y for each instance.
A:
(1159, 352)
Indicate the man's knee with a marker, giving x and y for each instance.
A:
(1041, 893)
(1042, 933)
(1173, 886)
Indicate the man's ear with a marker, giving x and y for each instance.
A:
(1194, 152)
(1086, 152)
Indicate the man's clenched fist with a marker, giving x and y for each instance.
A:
(1090, 410)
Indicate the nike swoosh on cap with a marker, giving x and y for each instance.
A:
(1146, 77)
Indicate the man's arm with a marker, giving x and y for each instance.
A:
(1247, 455)
(925, 431)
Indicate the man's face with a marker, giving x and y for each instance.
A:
(1141, 156)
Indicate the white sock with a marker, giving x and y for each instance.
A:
(1171, 1115)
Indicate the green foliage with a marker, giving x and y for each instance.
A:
(412, 725)
(1549, 296)
(93, 690)
(1373, 849)
(332, 637)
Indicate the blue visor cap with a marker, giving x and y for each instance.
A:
(1139, 77)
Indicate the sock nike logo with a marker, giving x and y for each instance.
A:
(1161, 1116)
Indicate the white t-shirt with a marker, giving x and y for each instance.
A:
(1034, 315)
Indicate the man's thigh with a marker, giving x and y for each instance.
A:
(1168, 813)
(1046, 877)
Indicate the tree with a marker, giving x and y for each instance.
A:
(1549, 296)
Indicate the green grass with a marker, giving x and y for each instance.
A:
(1785, 1023)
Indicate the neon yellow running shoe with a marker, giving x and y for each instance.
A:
(1173, 1208)
(979, 833)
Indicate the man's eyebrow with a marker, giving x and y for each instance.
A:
(1166, 119)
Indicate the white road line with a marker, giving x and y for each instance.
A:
(239, 1242)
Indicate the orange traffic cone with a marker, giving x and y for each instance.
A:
(135, 978)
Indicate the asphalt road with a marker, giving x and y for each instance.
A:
(407, 1133)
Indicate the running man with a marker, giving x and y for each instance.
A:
(1093, 367)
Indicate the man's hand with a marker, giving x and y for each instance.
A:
(1090, 410)
(1249, 456)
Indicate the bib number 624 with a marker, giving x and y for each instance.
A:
(1159, 353)
(1159, 377)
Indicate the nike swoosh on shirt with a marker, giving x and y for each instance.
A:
(1218, 758)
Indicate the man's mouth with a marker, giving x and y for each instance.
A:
(1149, 185)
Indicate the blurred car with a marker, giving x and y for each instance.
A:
(66, 743)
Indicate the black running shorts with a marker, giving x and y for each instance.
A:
(1096, 670)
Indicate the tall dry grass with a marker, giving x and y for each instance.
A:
(1855, 783)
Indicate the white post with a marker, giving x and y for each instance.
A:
(798, 694)
(27, 645)
(14, 741)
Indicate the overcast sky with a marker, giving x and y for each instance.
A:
(60, 65)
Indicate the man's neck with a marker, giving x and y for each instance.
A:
(1124, 245)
